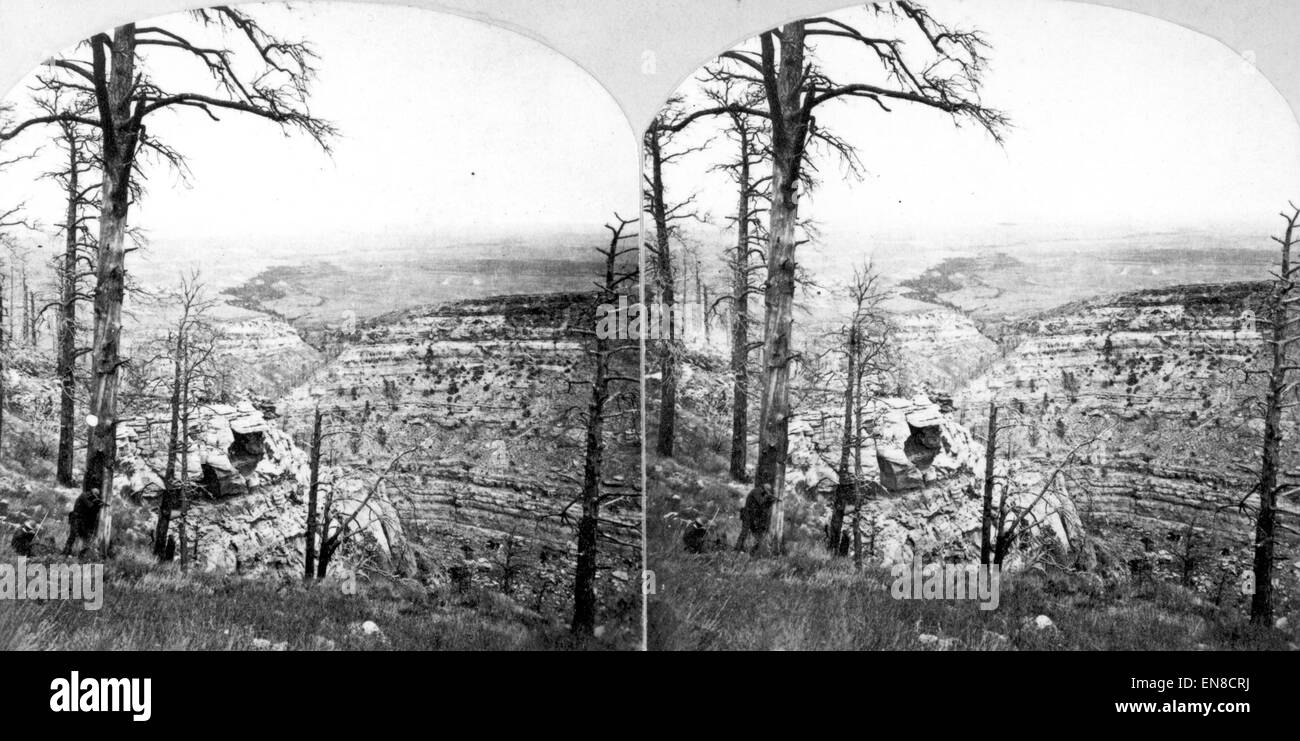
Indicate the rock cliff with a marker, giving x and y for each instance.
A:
(492, 391)
(1169, 375)
(263, 355)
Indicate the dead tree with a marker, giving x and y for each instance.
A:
(190, 345)
(748, 134)
(1013, 521)
(864, 345)
(11, 217)
(665, 217)
(616, 282)
(1283, 336)
(313, 494)
(946, 77)
(126, 97)
(990, 457)
(333, 535)
(75, 178)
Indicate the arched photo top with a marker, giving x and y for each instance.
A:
(437, 126)
(1112, 120)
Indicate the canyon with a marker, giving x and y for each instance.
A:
(1138, 413)
(453, 447)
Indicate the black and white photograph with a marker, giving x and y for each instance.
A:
(299, 349)
(337, 334)
(984, 338)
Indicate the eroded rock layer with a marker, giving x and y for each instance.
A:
(1167, 381)
(476, 410)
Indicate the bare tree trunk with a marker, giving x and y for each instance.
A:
(1261, 603)
(33, 316)
(990, 454)
(858, 497)
(4, 354)
(110, 286)
(67, 359)
(701, 298)
(328, 543)
(740, 322)
(183, 484)
(173, 441)
(788, 142)
(664, 271)
(173, 431)
(313, 489)
(584, 580)
(26, 296)
(846, 485)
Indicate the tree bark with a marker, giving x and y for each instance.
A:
(121, 133)
(846, 483)
(1261, 602)
(4, 354)
(584, 581)
(313, 489)
(990, 454)
(740, 322)
(182, 488)
(664, 442)
(67, 359)
(789, 130)
(27, 307)
(173, 430)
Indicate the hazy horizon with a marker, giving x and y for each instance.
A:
(452, 132)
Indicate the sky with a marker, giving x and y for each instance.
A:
(1121, 124)
(451, 130)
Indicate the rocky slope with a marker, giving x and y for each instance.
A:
(263, 355)
(248, 510)
(491, 392)
(1163, 373)
(923, 469)
(938, 348)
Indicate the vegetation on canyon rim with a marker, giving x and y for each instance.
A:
(144, 422)
(829, 379)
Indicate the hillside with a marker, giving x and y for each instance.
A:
(454, 436)
(1149, 385)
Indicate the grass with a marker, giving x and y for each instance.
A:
(148, 606)
(729, 601)
(806, 600)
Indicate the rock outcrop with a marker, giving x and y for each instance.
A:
(263, 355)
(928, 502)
(938, 349)
(247, 500)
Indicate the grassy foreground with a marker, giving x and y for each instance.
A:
(805, 600)
(157, 607)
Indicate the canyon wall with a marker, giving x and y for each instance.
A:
(938, 349)
(476, 410)
(1168, 379)
(263, 355)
